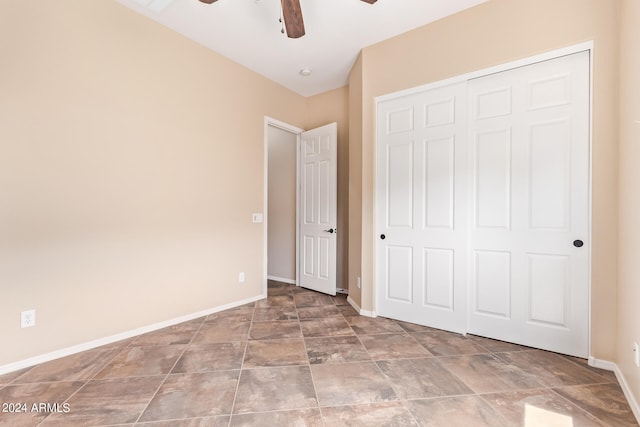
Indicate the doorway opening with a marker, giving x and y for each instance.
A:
(300, 205)
(281, 154)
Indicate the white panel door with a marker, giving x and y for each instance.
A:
(318, 209)
(528, 237)
(421, 225)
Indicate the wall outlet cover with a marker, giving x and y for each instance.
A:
(27, 318)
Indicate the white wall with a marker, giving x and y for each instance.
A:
(281, 215)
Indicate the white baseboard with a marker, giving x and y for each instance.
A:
(610, 366)
(368, 313)
(353, 304)
(360, 310)
(602, 364)
(47, 357)
(282, 279)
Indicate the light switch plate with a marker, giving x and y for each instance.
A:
(256, 217)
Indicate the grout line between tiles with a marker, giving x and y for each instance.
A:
(439, 359)
(169, 372)
(242, 369)
(86, 381)
(553, 390)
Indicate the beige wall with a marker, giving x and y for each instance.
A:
(356, 103)
(329, 107)
(492, 33)
(281, 218)
(629, 226)
(131, 160)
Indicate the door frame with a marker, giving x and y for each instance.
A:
(553, 54)
(269, 121)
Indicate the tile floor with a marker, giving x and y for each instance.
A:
(300, 358)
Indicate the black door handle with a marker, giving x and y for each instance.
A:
(382, 236)
(329, 231)
(578, 243)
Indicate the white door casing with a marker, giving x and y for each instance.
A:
(421, 247)
(519, 175)
(318, 209)
(529, 135)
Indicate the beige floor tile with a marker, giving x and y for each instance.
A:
(338, 349)
(496, 346)
(604, 401)
(276, 301)
(193, 395)
(301, 417)
(219, 421)
(275, 313)
(461, 411)
(551, 369)
(275, 330)
(275, 389)
(393, 346)
(234, 315)
(347, 310)
(312, 300)
(330, 326)
(412, 327)
(303, 358)
(486, 373)
(283, 289)
(267, 353)
(104, 402)
(211, 357)
(318, 312)
(177, 334)
(10, 377)
(388, 414)
(421, 378)
(142, 361)
(539, 408)
(221, 332)
(340, 384)
(80, 366)
(443, 343)
(341, 299)
(21, 398)
(373, 326)
(609, 375)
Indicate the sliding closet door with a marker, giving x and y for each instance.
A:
(529, 232)
(421, 224)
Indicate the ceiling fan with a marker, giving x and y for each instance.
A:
(292, 14)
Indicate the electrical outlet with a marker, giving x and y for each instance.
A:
(636, 355)
(28, 318)
(241, 277)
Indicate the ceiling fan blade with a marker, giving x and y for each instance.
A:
(366, 1)
(208, 1)
(292, 13)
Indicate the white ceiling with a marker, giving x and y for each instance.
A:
(248, 32)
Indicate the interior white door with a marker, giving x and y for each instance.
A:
(529, 246)
(318, 208)
(421, 225)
